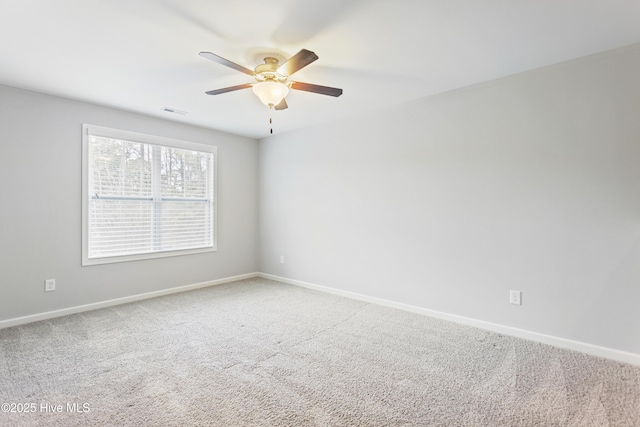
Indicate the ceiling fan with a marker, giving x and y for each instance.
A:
(272, 86)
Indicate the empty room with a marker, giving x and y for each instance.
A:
(320, 213)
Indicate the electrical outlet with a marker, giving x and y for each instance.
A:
(50, 285)
(515, 297)
(281, 259)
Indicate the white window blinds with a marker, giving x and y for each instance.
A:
(146, 196)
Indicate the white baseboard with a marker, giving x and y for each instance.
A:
(102, 304)
(583, 347)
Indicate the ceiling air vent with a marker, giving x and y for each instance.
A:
(174, 111)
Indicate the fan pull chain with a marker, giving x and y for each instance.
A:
(271, 123)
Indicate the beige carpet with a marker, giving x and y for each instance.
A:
(261, 353)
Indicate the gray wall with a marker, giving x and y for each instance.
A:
(529, 183)
(40, 224)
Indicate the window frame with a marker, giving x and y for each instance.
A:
(87, 130)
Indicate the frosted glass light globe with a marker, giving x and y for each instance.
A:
(270, 93)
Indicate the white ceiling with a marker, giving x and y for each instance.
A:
(142, 55)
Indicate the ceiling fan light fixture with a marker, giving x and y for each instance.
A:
(270, 92)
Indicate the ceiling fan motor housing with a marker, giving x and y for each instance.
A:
(269, 71)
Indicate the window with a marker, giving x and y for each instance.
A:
(145, 196)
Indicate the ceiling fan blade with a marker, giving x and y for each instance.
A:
(297, 62)
(323, 90)
(229, 89)
(220, 60)
(282, 105)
